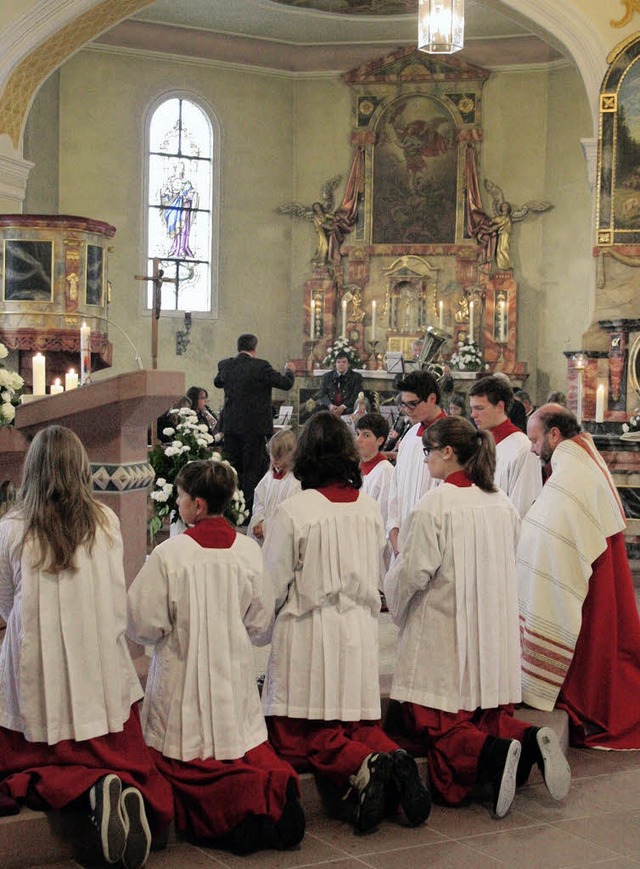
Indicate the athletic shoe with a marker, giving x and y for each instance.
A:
(371, 784)
(498, 765)
(542, 746)
(106, 815)
(415, 798)
(136, 850)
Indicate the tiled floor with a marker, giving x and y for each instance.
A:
(597, 825)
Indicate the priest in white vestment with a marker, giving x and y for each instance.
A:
(579, 622)
(518, 473)
(420, 401)
(452, 592)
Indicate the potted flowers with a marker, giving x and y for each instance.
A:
(631, 429)
(10, 387)
(341, 345)
(190, 442)
(467, 357)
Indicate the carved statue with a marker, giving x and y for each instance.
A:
(323, 216)
(504, 218)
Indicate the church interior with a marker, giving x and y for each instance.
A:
(335, 183)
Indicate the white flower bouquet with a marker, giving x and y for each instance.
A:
(341, 345)
(191, 442)
(10, 388)
(467, 357)
(631, 429)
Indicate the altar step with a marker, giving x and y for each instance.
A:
(36, 839)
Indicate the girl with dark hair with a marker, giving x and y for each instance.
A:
(453, 593)
(322, 693)
(69, 727)
(200, 600)
(198, 398)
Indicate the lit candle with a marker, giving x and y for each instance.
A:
(441, 307)
(344, 318)
(600, 403)
(85, 353)
(56, 387)
(70, 380)
(373, 320)
(39, 375)
(471, 320)
(312, 327)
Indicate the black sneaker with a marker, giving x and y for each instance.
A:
(497, 766)
(414, 795)
(106, 815)
(136, 850)
(550, 758)
(370, 783)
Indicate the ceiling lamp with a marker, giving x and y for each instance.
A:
(441, 26)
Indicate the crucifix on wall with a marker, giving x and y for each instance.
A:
(158, 279)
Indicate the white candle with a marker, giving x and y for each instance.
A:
(70, 380)
(56, 387)
(373, 320)
(579, 401)
(39, 374)
(600, 403)
(503, 321)
(344, 318)
(85, 353)
(471, 320)
(441, 307)
(312, 327)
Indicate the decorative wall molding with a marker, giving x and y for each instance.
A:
(14, 173)
(124, 477)
(590, 151)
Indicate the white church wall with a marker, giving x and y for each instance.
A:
(41, 146)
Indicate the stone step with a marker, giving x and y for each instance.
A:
(35, 839)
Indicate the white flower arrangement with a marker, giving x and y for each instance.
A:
(467, 357)
(631, 429)
(192, 442)
(10, 387)
(341, 345)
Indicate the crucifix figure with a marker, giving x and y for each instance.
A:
(158, 279)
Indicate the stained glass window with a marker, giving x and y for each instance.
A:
(180, 187)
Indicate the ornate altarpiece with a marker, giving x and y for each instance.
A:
(415, 117)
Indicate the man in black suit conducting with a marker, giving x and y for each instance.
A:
(247, 419)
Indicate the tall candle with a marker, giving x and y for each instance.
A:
(56, 387)
(85, 353)
(441, 307)
(312, 327)
(600, 403)
(503, 321)
(70, 380)
(344, 318)
(471, 320)
(579, 400)
(39, 374)
(373, 320)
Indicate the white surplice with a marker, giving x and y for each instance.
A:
(410, 481)
(199, 607)
(377, 483)
(453, 593)
(267, 495)
(518, 471)
(65, 667)
(324, 560)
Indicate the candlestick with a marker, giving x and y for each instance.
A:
(70, 380)
(56, 387)
(471, 320)
(39, 374)
(85, 354)
(441, 308)
(344, 318)
(312, 328)
(373, 321)
(600, 403)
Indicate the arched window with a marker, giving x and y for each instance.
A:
(181, 203)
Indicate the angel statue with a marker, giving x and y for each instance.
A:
(325, 222)
(499, 235)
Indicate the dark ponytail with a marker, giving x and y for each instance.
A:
(474, 450)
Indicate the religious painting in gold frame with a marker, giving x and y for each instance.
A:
(27, 270)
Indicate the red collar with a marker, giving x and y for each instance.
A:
(339, 493)
(502, 431)
(459, 478)
(213, 533)
(279, 475)
(425, 425)
(367, 467)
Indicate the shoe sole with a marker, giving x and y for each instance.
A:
(105, 799)
(507, 789)
(415, 798)
(373, 798)
(138, 845)
(556, 771)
